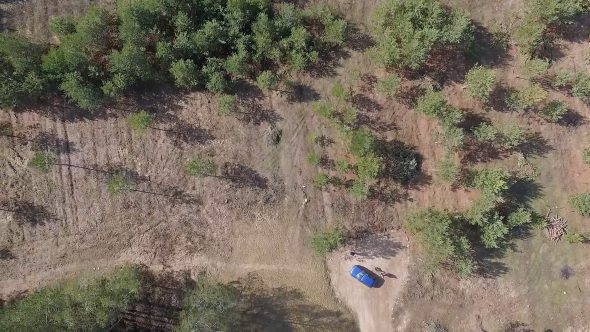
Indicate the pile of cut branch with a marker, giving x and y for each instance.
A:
(556, 227)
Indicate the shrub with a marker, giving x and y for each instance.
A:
(63, 25)
(359, 189)
(266, 80)
(43, 160)
(369, 166)
(342, 166)
(313, 159)
(200, 166)
(581, 203)
(512, 136)
(321, 180)
(419, 27)
(227, 104)
(519, 217)
(340, 91)
(532, 96)
(586, 156)
(327, 240)
(186, 73)
(490, 181)
(563, 79)
(324, 109)
(448, 171)
(140, 121)
(118, 182)
(390, 85)
(581, 86)
(350, 116)
(536, 67)
(362, 142)
(83, 304)
(485, 132)
(554, 111)
(453, 138)
(480, 82)
(432, 103)
(575, 238)
(210, 306)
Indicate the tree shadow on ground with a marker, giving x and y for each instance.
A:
(368, 246)
(303, 93)
(49, 141)
(572, 119)
(488, 49)
(534, 145)
(159, 303)
(523, 191)
(28, 213)
(284, 309)
(243, 176)
(328, 62)
(386, 194)
(365, 104)
(402, 163)
(575, 30)
(6, 254)
(446, 65)
(357, 40)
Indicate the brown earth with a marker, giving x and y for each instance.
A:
(257, 225)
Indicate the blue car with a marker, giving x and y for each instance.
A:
(360, 274)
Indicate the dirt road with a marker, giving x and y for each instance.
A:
(372, 306)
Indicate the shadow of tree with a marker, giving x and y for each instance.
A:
(328, 62)
(28, 213)
(365, 104)
(303, 93)
(523, 191)
(534, 145)
(357, 40)
(572, 119)
(367, 245)
(243, 176)
(284, 309)
(49, 141)
(402, 163)
(488, 49)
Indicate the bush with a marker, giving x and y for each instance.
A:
(519, 217)
(532, 96)
(321, 180)
(368, 167)
(200, 166)
(341, 92)
(43, 160)
(326, 241)
(485, 132)
(512, 136)
(480, 82)
(581, 86)
(140, 121)
(359, 189)
(536, 67)
(83, 304)
(432, 103)
(586, 156)
(227, 104)
(419, 27)
(492, 182)
(563, 79)
(448, 171)
(342, 166)
(266, 80)
(63, 25)
(390, 85)
(186, 73)
(453, 138)
(324, 109)
(362, 142)
(554, 111)
(210, 306)
(118, 182)
(313, 159)
(575, 238)
(581, 203)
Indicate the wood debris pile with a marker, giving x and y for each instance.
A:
(556, 227)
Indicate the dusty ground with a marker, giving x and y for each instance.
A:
(256, 229)
(372, 306)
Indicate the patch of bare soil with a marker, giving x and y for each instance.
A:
(386, 256)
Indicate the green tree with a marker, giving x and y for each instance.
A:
(480, 82)
(369, 166)
(359, 189)
(554, 111)
(266, 80)
(536, 67)
(390, 85)
(323, 242)
(43, 160)
(200, 166)
(86, 95)
(313, 159)
(419, 27)
(581, 203)
(140, 121)
(321, 180)
(432, 103)
(186, 74)
(485, 132)
(63, 25)
(210, 306)
(490, 181)
(82, 304)
(512, 136)
(362, 142)
(119, 182)
(581, 86)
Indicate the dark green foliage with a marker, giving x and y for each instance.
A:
(581, 86)
(485, 132)
(492, 182)
(480, 82)
(554, 111)
(200, 166)
(43, 160)
(22, 80)
(407, 31)
(266, 80)
(442, 239)
(326, 241)
(362, 142)
(581, 203)
(76, 305)
(390, 85)
(140, 121)
(210, 306)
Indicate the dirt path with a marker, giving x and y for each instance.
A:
(372, 306)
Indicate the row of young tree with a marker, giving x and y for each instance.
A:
(97, 304)
(195, 44)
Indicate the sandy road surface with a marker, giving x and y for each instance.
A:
(372, 306)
